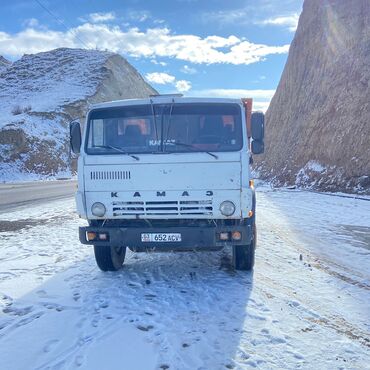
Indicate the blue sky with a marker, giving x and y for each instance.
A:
(198, 47)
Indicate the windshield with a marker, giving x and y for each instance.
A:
(165, 128)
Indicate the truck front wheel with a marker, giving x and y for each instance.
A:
(109, 258)
(243, 255)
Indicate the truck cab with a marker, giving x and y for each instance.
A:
(168, 173)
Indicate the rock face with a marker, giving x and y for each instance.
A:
(318, 123)
(41, 93)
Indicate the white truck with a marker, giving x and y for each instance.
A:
(168, 173)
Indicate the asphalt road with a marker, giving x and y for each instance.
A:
(23, 194)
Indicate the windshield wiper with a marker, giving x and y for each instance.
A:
(154, 119)
(169, 124)
(118, 150)
(179, 143)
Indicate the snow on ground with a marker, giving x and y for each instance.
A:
(306, 305)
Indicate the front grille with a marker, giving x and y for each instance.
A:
(163, 208)
(110, 175)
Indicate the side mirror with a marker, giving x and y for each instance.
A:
(257, 147)
(258, 126)
(75, 137)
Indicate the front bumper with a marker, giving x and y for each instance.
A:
(192, 238)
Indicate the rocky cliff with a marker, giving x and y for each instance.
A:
(318, 123)
(41, 93)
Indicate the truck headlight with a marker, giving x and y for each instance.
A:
(98, 209)
(227, 208)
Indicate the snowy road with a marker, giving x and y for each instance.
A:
(307, 305)
(19, 194)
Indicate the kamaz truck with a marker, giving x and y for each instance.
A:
(168, 173)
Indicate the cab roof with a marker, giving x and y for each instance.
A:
(164, 99)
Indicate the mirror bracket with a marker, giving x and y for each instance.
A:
(75, 137)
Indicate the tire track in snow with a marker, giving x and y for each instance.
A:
(322, 263)
(314, 313)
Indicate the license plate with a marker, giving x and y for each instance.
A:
(161, 237)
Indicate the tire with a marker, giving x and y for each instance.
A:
(243, 255)
(109, 258)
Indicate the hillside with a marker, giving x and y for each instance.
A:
(41, 93)
(4, 63)
(317, 125)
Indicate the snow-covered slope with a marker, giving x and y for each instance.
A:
(41, 93)
(4, 63)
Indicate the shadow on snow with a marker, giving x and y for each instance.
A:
(176, 310)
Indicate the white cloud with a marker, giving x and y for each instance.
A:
(152, 43)
(33, 41)
(160, 78)
(290, 21)
(235, 93)
(31, 22)
(188, 70)
(226, 16)
(259, 79)
(260, 105)
(261, 98)
(154, 61)
(283, 13)
(183, 85)
(139, 15)
(101, 17)
(159, 21)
